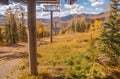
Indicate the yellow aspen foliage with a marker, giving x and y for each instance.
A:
(39, 23)
(3, 31)
(92, 27)
(40, 30)
(97, 24)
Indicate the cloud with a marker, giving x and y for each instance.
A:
(85, 3)
(91, 12)
(64, 11)
(98, 9)
(96, 2)
(75, 8)
(14, 7)
(67, 6)
(92, 1)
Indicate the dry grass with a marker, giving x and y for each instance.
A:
(66, 58)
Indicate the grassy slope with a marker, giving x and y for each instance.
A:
(66, 58)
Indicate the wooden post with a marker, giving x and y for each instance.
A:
(32, 37)
(4, 2)
(51, 27)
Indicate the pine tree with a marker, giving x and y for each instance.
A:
(14, 32)
(73, 27)
(111, 33)
(8, 34)
(82, 26)
(22, 30)
(11, 32)
(78, 27)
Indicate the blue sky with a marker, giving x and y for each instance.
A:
(91, 6)
(81, 6)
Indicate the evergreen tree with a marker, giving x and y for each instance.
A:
(73, 27)
(87, 24)
(78, 27)
(8, 34)
(82, 25)
(11, 32)
(14, 32)
(22, 30)
(111, 33)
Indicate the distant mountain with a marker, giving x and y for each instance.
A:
(100, 16)
(68, 17)
(2, 17)
(44, 20)
(2, 20)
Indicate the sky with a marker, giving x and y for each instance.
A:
(81, 6)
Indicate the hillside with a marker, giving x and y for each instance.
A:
(68, 58)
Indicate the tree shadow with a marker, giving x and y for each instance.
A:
(15, 45)
(48, 76)
(1, 52)
(13, 56)
(116, 74)
(42, 42)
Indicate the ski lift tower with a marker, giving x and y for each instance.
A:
(55, 7)
(32, 28)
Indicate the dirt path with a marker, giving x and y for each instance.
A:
(10, 58)
(46, 40)
(6, 67)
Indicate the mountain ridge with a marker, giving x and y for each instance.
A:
(65, 18)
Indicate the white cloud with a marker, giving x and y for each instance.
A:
(65, 10)
(17, 7)
(98, 9)
(96, 2)
(67, 6)
(75, 8)
(92, 1)
(90, 12)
